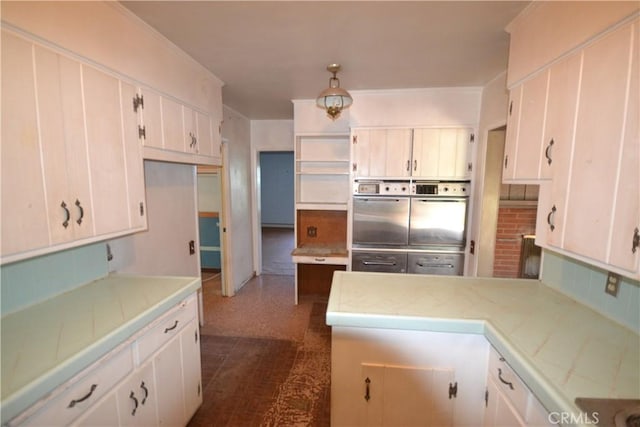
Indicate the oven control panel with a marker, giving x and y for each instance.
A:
(382, 188)
(458, 189)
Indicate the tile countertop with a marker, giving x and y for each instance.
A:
(559, 347)
(48, 343)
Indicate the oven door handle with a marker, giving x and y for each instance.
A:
(380, 199)
(434, 265)
(386, 263)
(441, 199)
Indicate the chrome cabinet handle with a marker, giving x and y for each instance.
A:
(79, 220)
(551, 217)
(82, 399)
(503, 381)
(415, 165)
(506, 161)
(132, 396)
(67, 214)
(175, 325)
(319, 259)
(547, 152)
(408, 165)
(636, 240)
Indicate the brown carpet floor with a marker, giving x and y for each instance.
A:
(265, 360)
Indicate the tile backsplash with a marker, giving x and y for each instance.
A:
(586, 283)
(31, 281)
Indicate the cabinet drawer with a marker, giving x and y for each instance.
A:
(509, 383)
(333, 260)
(74, 401)
(166, 328)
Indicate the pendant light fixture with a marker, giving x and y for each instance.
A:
(334, 99)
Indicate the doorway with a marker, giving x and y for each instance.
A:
(277, 209)
(507, 223)
(209, 227)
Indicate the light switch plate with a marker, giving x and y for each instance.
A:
(613, 284)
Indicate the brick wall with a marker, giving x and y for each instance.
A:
(513, 223)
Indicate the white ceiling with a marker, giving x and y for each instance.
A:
(268, 53)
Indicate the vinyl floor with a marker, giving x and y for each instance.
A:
(265, 360)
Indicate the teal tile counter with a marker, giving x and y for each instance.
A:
(48, 343)
(559, 347)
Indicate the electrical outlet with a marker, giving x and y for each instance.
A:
(613, 284)
(312, 231)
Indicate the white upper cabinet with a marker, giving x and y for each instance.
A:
(591, 208)
(441, 153)
(23, 193)
(625, 234)
(173, 131)
(598, 141)
(381, 152)
(418, 153)
(71, 164)
(523, 145)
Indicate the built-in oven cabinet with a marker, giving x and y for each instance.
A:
(437, 221)
(380, 220)
(383, 262)
(433, 153)
(439, 263)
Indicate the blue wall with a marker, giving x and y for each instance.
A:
(277, 188)
(585, 284)
(34, 280)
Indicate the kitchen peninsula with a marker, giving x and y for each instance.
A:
(559, 348)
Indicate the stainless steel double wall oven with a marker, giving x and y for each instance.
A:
(409, 226)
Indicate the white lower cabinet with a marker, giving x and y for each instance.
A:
(138, 398)
(191, 365)
(406, 396)
(383, 377)
(508, 401)
(162, 389)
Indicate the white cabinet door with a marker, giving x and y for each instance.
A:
(511, 138)
(440, 153)
(406, 396)
(137, 400)
(598, 137)
(205, 138)
(102, 414)
(172, 125)
(169, 391)
(63, 142)
(151, 118)
(191, 367)
(23, 193)
(133, 160)
(524, 140)
(499, 412)
(106, 151)
(625, 238)
(382, 153)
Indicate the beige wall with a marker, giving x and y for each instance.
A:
(493, 115)
(236, 134)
